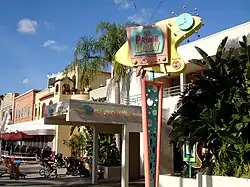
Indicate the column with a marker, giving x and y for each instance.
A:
(95, 156)
(182, 81)
(125, 156)
(141, 155)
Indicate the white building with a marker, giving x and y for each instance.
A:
(173, 84)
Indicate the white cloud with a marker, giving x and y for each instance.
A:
(125, 4)
(27, 26)
(141, 17)
(25, 81)
(48, 25)
(51, 44)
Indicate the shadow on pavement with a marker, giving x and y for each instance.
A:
(63, 181)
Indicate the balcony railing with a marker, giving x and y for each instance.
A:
(167, 92)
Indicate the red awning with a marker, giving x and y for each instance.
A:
(15, 136)
(5, 136)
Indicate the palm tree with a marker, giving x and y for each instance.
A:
(112, 37)
(86, 60)
(92, 55)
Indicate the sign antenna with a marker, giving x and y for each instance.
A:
(157, 8)
(134, 5)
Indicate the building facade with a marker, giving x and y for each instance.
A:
(23, 106)
(29, 109)
(7, 106)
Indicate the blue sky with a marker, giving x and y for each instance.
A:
(38, 37)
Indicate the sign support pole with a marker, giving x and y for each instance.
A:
(152, 96)
(189, 169)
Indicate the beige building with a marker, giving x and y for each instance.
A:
(7, 105)
(61, 87)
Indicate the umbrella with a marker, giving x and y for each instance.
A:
(5, 136)
(18, 136)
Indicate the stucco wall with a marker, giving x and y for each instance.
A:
(203, 181)
(42, 99)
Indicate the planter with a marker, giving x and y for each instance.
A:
(113, 172)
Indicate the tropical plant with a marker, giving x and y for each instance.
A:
(82, 145)
(109, 155)
(112, 37)
(215, 110)
(79, 143)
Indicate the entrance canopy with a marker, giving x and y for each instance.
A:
(93, 113)
(36, 127)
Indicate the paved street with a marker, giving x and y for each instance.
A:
(33, 179)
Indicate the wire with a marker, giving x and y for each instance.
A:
(153, 14)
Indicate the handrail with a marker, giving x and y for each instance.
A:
(167, 92)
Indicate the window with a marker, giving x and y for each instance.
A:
(11, 114)
(35, 112)
(74, 81)
(22, 112)
(57, 88)
(39, 110)
(43, 108)
(28, 111)
(66, 88)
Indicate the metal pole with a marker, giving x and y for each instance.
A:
(189, 169)
(151, 75)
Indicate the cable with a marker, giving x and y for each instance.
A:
(153, 14)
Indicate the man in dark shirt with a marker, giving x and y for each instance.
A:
(47, 157)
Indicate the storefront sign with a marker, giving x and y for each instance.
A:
(148, 45)
(104, 113)
(56, 109)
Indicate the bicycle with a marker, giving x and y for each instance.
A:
(46, 171)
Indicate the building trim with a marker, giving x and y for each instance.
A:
(32, 90)
(47, 96)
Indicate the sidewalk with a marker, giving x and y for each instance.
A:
(26, 168)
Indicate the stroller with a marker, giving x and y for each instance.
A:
(13, 169)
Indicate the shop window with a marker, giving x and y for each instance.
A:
(43, 108)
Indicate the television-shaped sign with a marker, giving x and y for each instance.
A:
(148, 45)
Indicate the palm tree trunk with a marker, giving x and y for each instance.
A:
(118, 101)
